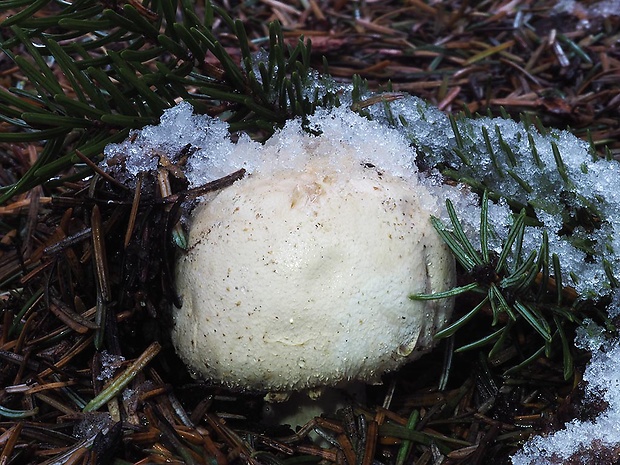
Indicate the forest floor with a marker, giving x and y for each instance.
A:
(555, 61)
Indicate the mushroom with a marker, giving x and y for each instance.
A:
(300, 277)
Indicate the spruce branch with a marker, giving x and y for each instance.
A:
(139, 63)
(508, 285)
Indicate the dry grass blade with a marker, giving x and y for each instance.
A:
(93, 166)
(9, 440)
(81, 344)
(370, 442)
(73, 320)
(116, 386)
(101, 275)
(135, 205)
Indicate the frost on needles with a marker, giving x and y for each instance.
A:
(554, 175)
(587, 439)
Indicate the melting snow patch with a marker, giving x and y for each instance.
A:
(603, 378)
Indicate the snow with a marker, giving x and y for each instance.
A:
(412, 133)
(110, 363)
(178, 128)
(602, 8)
(216, 155)
(603, 378)
(92, 424)
(588, 13)
(213, 154)
(587, 184)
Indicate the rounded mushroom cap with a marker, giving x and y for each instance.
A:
(301, 278)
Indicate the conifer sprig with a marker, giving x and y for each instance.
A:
(138, 63)
(511, 285)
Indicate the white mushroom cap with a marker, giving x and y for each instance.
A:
(301, 278)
